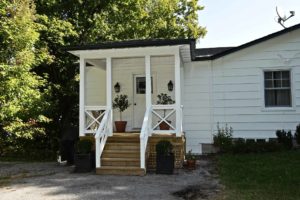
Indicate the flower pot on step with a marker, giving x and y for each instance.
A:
(120, 126)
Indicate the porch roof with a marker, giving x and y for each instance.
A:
(132, 44)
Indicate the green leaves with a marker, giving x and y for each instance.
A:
(21, 100)
(121, 103)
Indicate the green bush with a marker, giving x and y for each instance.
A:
(285, 138)
(164, 147)
(297, 134)
(84, 146)
(223, 138)
(241, 145)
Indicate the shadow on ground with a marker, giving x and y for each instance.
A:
(201, 183)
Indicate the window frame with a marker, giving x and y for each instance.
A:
(277, 108)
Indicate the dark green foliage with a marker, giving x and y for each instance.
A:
(190, 156)
(164, 99)
(285, 138)
(223, 138)
(121, 103)
(241, 145)
(39, 79)
(84, 146)
(164, 147)
(297, 134)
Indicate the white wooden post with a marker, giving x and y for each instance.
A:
(148, 81)
(177, 94)
(148, 87)
(109, 91)
(81, 97)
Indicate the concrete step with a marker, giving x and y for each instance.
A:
(121, 154)
(120, 170)
(129, 162)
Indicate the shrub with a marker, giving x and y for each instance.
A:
(241, 145)
(164, 147)
(190, 156)
(84, 146)
(223, 139)
(285, 138)
(297, 134)
(121, 103)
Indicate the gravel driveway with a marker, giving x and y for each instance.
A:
(36, 181)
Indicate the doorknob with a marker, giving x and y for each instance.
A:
(134, 104)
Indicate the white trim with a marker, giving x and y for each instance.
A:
(81, 97)
(95, 107)
(127, 52)
(178, 94)
(148, 81)
(262, 86)
(109, 90)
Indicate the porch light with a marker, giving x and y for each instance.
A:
(117, 87)
(170, 86)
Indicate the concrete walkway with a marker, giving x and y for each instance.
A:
(36, 181)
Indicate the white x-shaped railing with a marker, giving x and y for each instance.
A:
(164, 113)
(93, 117)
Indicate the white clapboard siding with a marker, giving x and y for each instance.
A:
(229, 90)
(95, 86)
(197, 102)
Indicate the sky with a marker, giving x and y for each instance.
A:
(235, 22)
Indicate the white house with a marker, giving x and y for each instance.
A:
(254, 88)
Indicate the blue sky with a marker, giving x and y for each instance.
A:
(234, 22)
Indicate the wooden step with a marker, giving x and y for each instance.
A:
(121, 154)
(130, 162)
(117, 170)
(134, 139)
(122, 146)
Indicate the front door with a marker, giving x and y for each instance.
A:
(139, 100)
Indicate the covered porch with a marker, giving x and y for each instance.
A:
(141, 74)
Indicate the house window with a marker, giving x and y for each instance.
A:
(141, 85)
(278, 88)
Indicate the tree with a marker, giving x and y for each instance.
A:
(21, 100)
(105, 20)
(39, 79)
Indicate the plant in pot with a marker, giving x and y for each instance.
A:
(121, 104)
(164, 99)
(84, 157)
(164, 157)
(190, 160)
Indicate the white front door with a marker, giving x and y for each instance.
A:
(139, 100)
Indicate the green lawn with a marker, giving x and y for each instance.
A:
(274, 176)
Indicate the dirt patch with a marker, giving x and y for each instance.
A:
(37, 181)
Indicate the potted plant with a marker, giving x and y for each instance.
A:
(164, 157)
(83, 157)
(190, 160)
(121, 104)
(164, 99)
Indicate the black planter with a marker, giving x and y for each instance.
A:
(84, 162)
(165, 164)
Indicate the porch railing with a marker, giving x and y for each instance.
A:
(145, 133)
(93, 118)
(168, 112)
(102, 133)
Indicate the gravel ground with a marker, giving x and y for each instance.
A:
(35, 181)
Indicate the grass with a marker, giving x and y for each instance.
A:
(274, 176)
